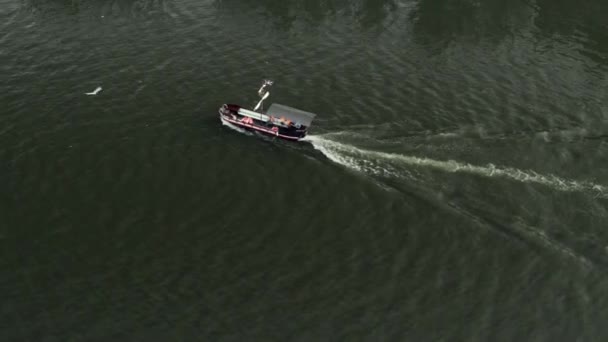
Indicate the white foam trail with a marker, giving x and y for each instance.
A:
(379, 163)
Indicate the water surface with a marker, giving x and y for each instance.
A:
(454, 185)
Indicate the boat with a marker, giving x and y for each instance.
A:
(278, 120)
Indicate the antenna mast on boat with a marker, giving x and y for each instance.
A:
(263, 93)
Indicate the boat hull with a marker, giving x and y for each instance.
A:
(232, 117)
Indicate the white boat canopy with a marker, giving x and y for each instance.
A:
(254, 115)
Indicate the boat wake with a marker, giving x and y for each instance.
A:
(391, 165)
(398, 166)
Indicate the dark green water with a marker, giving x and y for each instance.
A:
(454, 186)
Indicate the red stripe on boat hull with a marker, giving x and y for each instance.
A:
(268, 131)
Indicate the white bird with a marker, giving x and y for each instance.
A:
(94, 92)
